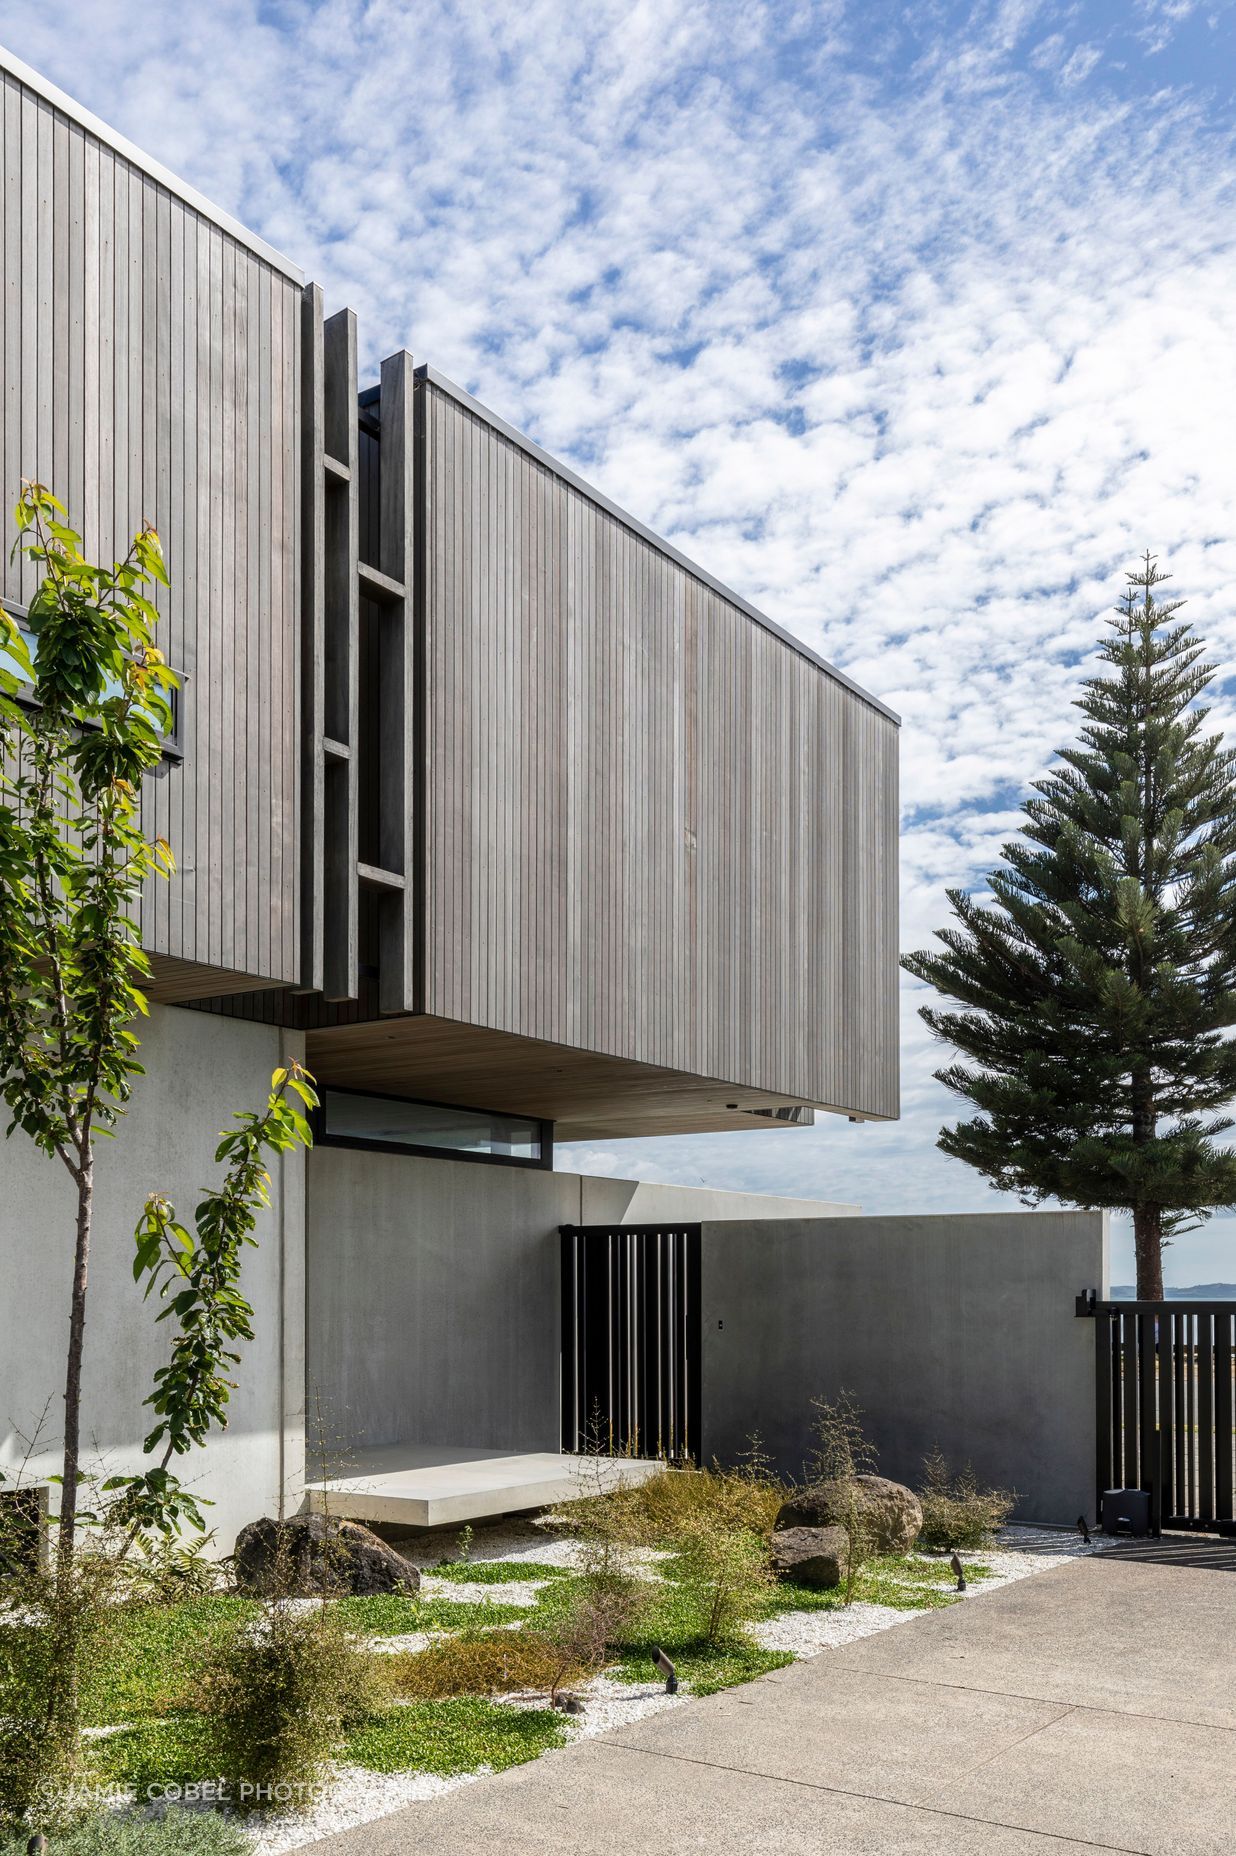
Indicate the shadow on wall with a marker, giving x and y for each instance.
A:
(956, 1332)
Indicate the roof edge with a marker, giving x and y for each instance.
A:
(567, 475)
(129, 151)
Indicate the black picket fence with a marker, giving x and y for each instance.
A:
(631, 1339)
(1166, 1408)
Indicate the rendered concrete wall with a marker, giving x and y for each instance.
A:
(434, 1293)
(957, 1331)
(200, 1070)
(646, 1201)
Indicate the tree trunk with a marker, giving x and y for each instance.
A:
(73, 1376)
(1147, 1219)
(1148, 1246)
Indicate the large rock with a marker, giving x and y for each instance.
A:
(890, 1514)
(811, 1555)
(314, 1555)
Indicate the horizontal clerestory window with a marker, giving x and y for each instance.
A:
(351, 1118)
(171, 742)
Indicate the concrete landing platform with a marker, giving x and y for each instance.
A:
(421, 1485)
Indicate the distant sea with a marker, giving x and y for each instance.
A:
(1200, 1292)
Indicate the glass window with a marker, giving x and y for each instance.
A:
(111, 686)
(389, 1121)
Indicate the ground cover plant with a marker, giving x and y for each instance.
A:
(196, 1684)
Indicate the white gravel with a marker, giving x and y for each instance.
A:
(806, 1633)
(476, 1592)
(356, 1797)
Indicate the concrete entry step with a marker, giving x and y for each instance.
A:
(424, 1485)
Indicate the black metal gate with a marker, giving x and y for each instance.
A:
(631, 1339)
(1166, 1407)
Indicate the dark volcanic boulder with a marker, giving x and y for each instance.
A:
(889, 1513)
(316, 1556)
(810, 1555)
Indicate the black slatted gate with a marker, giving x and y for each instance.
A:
(631, 1339)
(1166, 1406)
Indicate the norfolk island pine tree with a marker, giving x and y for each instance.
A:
(1093, 996)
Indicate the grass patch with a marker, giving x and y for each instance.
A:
(706, 1668)
(497, 1572)
(901, 1584)
(176, 1751)
(452, 1737)
(388, 1614)
(152, 1653)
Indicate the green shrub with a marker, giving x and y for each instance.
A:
(725, 1574)
(957, 1513)
(841, 1454)
(655, 1512)
(59, 1631)
(180, 1833)
(281, 1695)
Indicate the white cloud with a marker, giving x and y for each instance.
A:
(917, 345)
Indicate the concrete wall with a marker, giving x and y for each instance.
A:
(434, 1294)
(646, 1201)
(951, 1330)
(200, 1071)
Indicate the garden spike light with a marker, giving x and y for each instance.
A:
(664, 1667)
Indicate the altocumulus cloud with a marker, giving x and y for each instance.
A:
(915, 323)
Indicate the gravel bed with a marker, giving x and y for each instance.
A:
(806, 1633)
(521, 1541)
(466, 1592)
(357, 1796)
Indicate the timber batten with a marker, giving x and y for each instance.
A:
(151, 357)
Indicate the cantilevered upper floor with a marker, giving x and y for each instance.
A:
(488, 788)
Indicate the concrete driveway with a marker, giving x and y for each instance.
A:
(1089, 1707)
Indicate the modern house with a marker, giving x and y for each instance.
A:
(516, 825)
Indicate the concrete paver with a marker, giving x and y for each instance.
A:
(1106, 1632)
(852, 1732)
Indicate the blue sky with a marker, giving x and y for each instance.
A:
(915, 323)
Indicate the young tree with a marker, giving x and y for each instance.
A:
(84, 707)
(1096, 990)
(93, 711)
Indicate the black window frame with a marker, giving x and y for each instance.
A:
(543, 1163)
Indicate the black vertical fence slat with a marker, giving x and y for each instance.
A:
(631, 1343)
(1180, 1339)
(1128, 1368)
(1223, 1417)
(1147, 1411)
(1165, 1408)
(1105, 1406)
(1167, 1418)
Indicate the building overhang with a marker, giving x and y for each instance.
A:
(587, 1094)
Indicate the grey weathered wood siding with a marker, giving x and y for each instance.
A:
(652, 827)
(151, 364)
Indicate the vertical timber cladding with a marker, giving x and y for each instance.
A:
(653, 827)
(151, 374)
